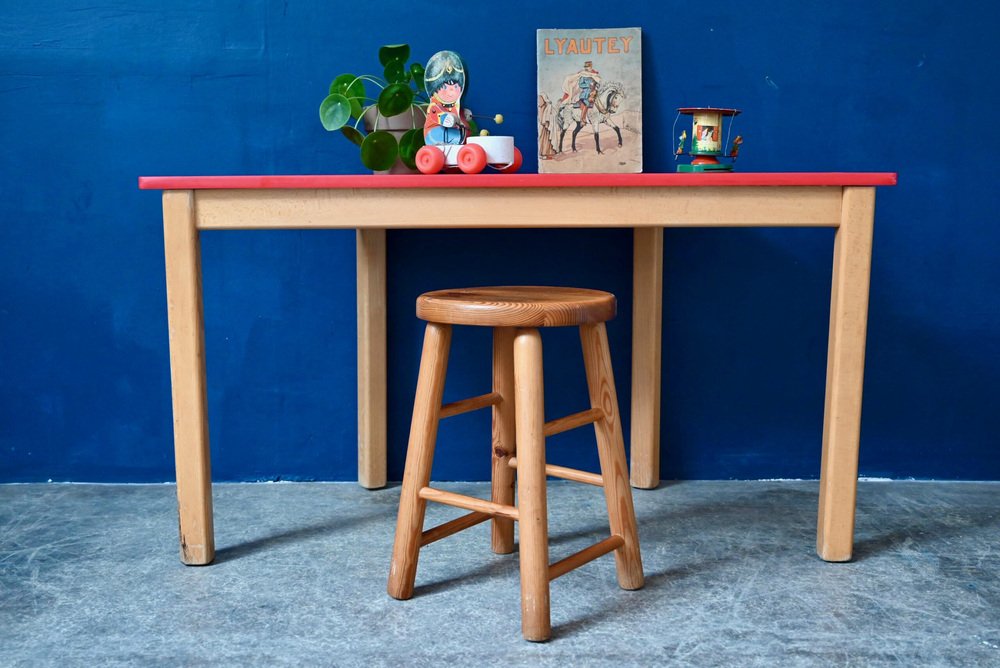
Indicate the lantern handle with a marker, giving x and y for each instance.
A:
(680, 146)
(729, 133)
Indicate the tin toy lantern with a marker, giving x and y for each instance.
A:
(706, 139)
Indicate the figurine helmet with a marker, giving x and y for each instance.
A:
(442, 68)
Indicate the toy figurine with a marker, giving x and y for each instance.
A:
(735, 150)
(444, 80)
(680, 144)
(447, 144)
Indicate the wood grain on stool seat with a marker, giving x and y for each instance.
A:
(517, 306)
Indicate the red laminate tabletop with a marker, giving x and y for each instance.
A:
(836, 179)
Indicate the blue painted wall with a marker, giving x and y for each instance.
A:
(93, 95)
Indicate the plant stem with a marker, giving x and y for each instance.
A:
(361, 117)
(381, 83)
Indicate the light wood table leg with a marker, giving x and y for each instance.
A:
(187, 378)
(845, 375)
(647, 324)
(371, 358)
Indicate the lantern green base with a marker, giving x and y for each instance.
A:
(719, 167)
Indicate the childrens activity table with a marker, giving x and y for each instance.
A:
(648, 203)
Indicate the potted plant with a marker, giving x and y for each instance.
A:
(392, 118)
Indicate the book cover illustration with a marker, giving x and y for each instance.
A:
(589, 100)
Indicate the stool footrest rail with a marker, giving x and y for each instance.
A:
(452, 527)
(469, 503)
(470, 404)
(585, 555)
(573, 421)
(566, 473)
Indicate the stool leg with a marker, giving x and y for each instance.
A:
(611, 449)
(419, 457)
(533, 516)
(503, 436)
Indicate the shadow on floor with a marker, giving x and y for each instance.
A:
(298, 534)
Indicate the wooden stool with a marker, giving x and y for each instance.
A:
(515, 313)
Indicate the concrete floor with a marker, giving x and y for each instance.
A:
(89, 575)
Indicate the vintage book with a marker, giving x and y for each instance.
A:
(589, 100)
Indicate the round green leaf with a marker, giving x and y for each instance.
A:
(395, 99)
(417, 73)
(392, 52)
(334, 111)
(395, 72)
(409, 144)
(379, 151)
(352, 88)
(352, 134)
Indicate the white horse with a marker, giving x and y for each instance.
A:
(606, 104)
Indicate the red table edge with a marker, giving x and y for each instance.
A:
(389, 181)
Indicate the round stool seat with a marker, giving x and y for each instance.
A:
(517, 306)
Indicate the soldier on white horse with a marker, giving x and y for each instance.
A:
(600, 104)
(580, 88)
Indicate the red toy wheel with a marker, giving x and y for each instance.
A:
(514, 166)
(429, 160)
(472, 159)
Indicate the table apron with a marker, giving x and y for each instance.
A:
(779, 206)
